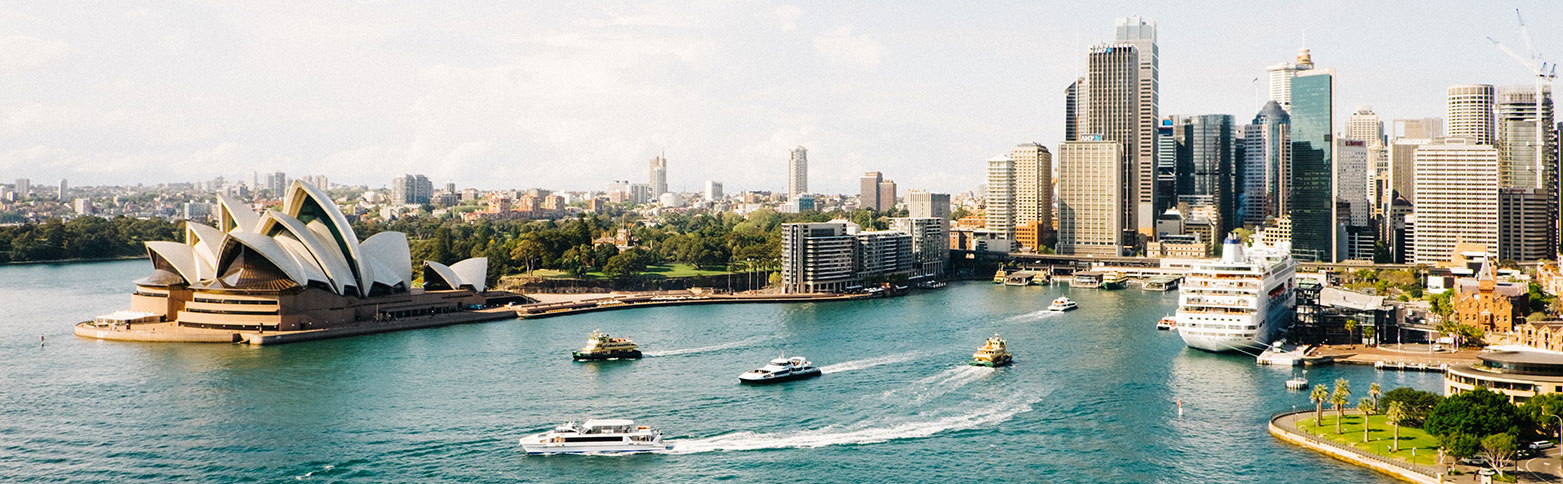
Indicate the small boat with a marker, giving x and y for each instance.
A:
(1062, 304)
(781, 369)
(992, 354)
(998, 277)
(1041, 279)
(1296, 384)
(1167, 323)
(599, 346)
(1114, 280)
(615, 436)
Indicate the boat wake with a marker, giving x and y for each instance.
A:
(938, 385)
(1033, 316)
(863, 432)
(867, 363)
(704, 349)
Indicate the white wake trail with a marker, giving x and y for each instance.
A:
(867, 363)
(705, 349)
(940, 384)
(860, 433)
(1033, 316)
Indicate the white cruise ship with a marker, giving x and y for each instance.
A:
(1241, 302)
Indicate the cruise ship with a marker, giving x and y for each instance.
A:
(1241, 302)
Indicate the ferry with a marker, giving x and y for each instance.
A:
(998, 277)
(1242, 302)
(992, 354)
(1167, 323)
(615, 436)
(599, 346)
(1062, 304)
(781, 369)
(1114, 280)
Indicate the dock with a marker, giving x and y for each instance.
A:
(627, 301)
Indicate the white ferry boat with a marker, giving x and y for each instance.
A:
(614, 436)
(1062, 304)
(1241, 302)
(781, 369)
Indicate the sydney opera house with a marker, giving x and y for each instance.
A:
(300, 268)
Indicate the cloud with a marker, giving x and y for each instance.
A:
(788, 15)
(19, 52)
(841, 47)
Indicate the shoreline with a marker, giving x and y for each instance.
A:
(609, 303)
(74, 261)
(1401, 470)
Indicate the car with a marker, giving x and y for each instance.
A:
(1540, 444)
(1486, 472)
(1474, 461)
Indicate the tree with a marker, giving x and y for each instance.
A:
(1366, 406)
(1374, 392)
(1395, 416)
(1351, 329)
(1440, 305)
(528, 253)
(1339, 398)
(1498, 449)
(1318, 396)
(1460, 446)
(1417, 404)
(1477, 412)
(1543, 411)
(623, 264)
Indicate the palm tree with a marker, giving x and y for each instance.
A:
(1393, 416)
(1318, 396)
(1373, 391)
(1366, 407)
(1339, 398)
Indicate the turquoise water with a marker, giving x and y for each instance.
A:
(1091, 397)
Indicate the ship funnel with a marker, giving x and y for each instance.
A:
(1232, 249)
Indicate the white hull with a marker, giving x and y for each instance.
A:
(1217, 344)
(1239, 303)
(535, 445)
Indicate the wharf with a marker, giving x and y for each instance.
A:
(169, 332)
(1389, 358)
(640, 300)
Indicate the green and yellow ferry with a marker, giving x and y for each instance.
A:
(992, 354)
(600, 346)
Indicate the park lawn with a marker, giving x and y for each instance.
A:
(1380, 435)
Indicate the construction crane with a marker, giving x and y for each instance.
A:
(1544, 74)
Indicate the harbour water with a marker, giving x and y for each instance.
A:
(1092, 395)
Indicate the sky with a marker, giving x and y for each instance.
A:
(575, 95)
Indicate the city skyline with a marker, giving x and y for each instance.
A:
(352, 97)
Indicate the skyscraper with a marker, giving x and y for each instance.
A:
(713, 190)
(797, 172)
(1113, 117)
(1033, 184)
(1212, 156)
(1075, 107)
(886, 195)
(1167, 150)
(868, 190)
(1312, 199)
(1090, 198)
(1266, 161)
(1517, 138)
(1422, 128)
(1352, 179)
(23, 188)
(1281, 78)
(921, 204)
(1141, 33)
(1001, 196)
(411, 190)
(1402, 166)
(65, 190)
(1364, 125)
(659, 176)
(1470, 113)
(1456, 198)
(1527, 174)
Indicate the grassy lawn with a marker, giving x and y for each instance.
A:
(1379, 437)
(667, 271)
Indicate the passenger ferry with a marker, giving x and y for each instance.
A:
(616, 436)
(992, 354)
(1062, 304)
(1114, 280)
(599, 346)
(1241, 302)
(781, 369)
(1167, 323)
(998, 277)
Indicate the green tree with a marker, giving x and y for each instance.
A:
(1543, 411)
(1415, 404)
(1365, 405)
(1460, 446)
(1351, 329)
(528, 253)
(1374, 391)
(1498, 449)
(1440, 304)
(1338, 399)
(1477, 412)
(624, 264)
(1395, 415)
(1318, 396)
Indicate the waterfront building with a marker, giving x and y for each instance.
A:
(1281, 78)
(1033, 190)
(1488, 304)
(1456, 184)
(1423, 128)
(713, 190)
(817, 257)
(930, 241)
(411, 190)
(1182, 246)
(797, 172)
(1470, 113)
(883, 254)
(1266, 160)
(1091, 191)
(301, 267)
(659, 176)
(1000, 211)
(1114, 116)
(1518, 375)
(1328, 309)
(1311, 202)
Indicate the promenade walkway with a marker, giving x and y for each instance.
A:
(1283, 425)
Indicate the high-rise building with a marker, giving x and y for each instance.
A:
(1000, 206)
(1521, 163)
(65, 190)
(1402, 166)
(1090, 198)
(1423, 128)
(1470, 113)
(277, 183)
(1168, 149)
(1075, 107)
(817, 257)
(1212, 154)
(1281, 78)
(1527, 173)
(1352, 181)
(1456, 198)
(1113, 117)
(1141, 33)
(1033, 185)
(887, 195)
(713, 190)
(883, 253)
(411, 190)
(1266, 160)
(1364, 125)
(659, 176)
(1311, 202)
(921, 204)
(868, 190)
(797, 172)
(24, 187)
(930, 242)
(1524, 229)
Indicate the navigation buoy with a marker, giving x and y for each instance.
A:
(1180, 408)
(40, 341)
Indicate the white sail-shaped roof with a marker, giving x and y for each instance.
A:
(389, 253)
(321, 253)
(232, 215)
(177, 255)
(309, 204)
(205, 242)
(268, 248)
(473, 272)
